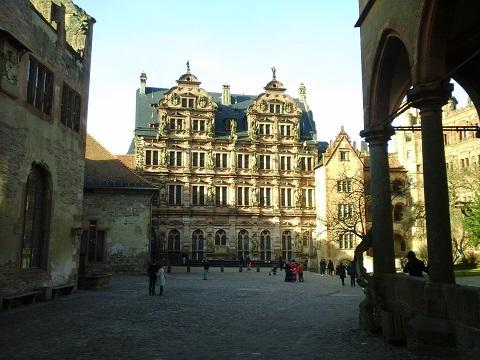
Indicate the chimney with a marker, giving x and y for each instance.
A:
(143, 83)
(226, 99)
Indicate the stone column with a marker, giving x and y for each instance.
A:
(381, 203)
(429, 99)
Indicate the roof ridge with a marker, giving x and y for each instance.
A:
(114, 157)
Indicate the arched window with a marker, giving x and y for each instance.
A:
(287, 245)
(398, 212)
(174, 245)
(243, 244)
(265, 245)
(36, 219)
(220, 237)
(198, 241)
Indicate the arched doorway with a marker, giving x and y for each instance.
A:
(174, 246)
(198, 245)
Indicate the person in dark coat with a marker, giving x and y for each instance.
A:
(280, 263)
(341, 272)
(352, 272)
(323, 267)
(414, 266)
(287, 272)
(152, 276)
(330, 267)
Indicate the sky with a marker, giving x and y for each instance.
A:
(226, 42)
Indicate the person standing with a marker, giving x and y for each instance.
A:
(300, 272)
(330, 267)
(352, 272)
(341, 272)
(323, 266)
(414, 266)
(161, 279)
(206, 266)
(280, 263)
(152, 277)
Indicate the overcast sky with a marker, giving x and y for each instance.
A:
(227, 42)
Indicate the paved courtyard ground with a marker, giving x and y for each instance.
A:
(232, 315)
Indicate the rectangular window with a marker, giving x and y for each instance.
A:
(286, 162)
(155, 157)
(70, 113)
(221, 160)
(265, 196)
(286, 197)
(188, 102)
(275, 108)
(285, 130)
(198, 195)
(265, 162)
(343, 155)
(40, 86)
(175, 194)
(176, 124)
(344, 185)
(306, 163)
(242, 161)
(198, 159)
(198, 125)
(243, 196)
(221, 195)
(151, 157)
(346, 241)
(307, 198)
(264, 129)
(175, 158)
(445, 139)
(96, 242)
(345, 211)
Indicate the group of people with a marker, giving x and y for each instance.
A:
(293, 271)
(155, 273)
(326, 267)
(343, 270)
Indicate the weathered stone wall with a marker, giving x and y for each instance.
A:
(125, 217)
(28, 135)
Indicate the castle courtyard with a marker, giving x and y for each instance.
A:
(232, 315)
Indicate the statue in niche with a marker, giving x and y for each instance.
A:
(254, 162)
(233, 130)
(162, 193)
(211, 195)
(298, 198)
(263, 105)
(255, 196)
(202, 101)
(296, 132)
(210, 129)
(253, 130)
(175, 99)
(288, 107)
(297, 243)
(210, 161)
(164, 157)
(298, 163)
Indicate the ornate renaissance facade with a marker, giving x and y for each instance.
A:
(235, 173)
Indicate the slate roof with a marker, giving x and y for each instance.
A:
(105, 171)
(145, 115)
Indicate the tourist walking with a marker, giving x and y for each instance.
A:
(152, 277)
(206, 266)
(414, 266)
(330, 267)
(351, 270)
(323, 267)
(300, 272)
(161, 279)
(341, 272)
(281, 263)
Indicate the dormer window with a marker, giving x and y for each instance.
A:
(188, 102)
(275, 108)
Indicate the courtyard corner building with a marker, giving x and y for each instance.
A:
(235, 173)
(45, 49)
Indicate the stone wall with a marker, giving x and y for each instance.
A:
(125, 218)
(432, 318)
(29, 136)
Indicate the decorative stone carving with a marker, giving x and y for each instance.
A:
(175, 99)
(77, 25)
(288, 107)
(202, 101)
(139, 152)
(210, 160)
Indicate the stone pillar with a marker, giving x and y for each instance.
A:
(429, 99)
(381, 203)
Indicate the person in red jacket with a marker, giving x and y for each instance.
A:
(300, 272)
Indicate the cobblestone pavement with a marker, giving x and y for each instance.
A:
(232, 315)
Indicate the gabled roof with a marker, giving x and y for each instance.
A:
(333, 148)
(105, 171)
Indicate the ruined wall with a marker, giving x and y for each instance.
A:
(125, 218)
(28, 135)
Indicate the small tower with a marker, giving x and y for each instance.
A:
(226, 98)
(302, 93)
(143, 83)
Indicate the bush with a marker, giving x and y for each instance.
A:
(471, 259)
